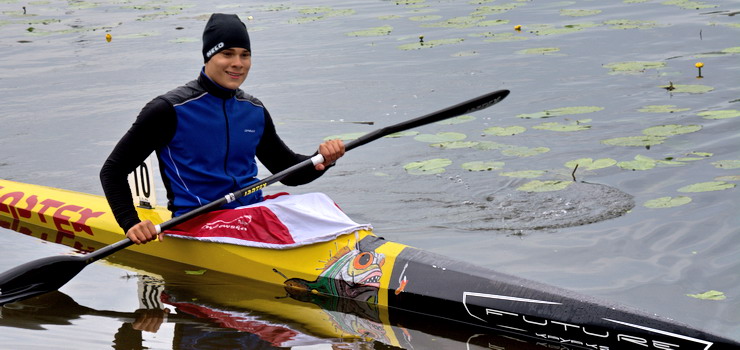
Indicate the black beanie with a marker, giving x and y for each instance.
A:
(224, 31)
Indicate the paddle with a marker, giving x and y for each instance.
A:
(51, 273)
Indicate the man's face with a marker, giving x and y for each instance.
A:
(229, 68)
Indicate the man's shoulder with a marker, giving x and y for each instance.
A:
(183, 93)
(245, 97)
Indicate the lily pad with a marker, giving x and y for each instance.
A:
(732, 50)
(545, 29)
(526, 174)
(662, 109)
(539, 51)
(504, 37)
(640, 163)
(579, 13)
(554, 126)
(707, 187)
(505, 131)
(427, 167)
(521, 151)
(544, 186)
(457, 22)
(455, 144)
(633, 67)
(688, 89)
(590, 164)
(630, 24)
(489, 145)
(482, 166)
(457, 120)
(403, 134)
(667, 202)
(728, 178)
(377, 31)
(671, 130)
(635, 141)
(710, 295)
(440, 137)
(727, 164)
(720, 114)
(689, 5)
(430, 44)
(556, 112)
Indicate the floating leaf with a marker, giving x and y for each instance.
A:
(732, 50)
(635, 141)
(727, 164)
(195, 272)
(440, 137)
(527, 174)
(579, 13)
(455, 144)
(545, 29)
(425, 18)
(721, 114)
(544, 186)
(521, 151)
(689, 5)
(630, 24)
(662, 109)
(556, 112)
(427, 167)
(590, 164)
(640, 163)
(402, 134)
(430, 44)
(710, 295)
(667, 202)
(504, 37)
(728, 178)
(495, 9)
(539, 51)
(671, 130)
(457, 120)
(634, 67)
(457, 22)
(489, 145)
(482, 166)
(505, 131)
(707, 187)
(689, 89)
(377, 31)
(553, 126)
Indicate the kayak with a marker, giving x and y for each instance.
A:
(395, 278)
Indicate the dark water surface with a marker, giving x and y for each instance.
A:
(68, 95)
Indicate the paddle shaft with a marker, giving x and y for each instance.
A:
(469, 106)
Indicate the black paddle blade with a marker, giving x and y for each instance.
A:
(38, 277)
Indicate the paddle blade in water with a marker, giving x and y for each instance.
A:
(38, 277)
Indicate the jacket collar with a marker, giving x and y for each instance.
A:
(213, 88)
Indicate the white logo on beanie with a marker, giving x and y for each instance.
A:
(215, 49)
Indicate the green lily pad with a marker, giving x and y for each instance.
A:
(640, 163)
(440, 137)
(662, 109)
(556, 112)
(635, 141)
(526, 174)
(707, 187)
(505, 131)
(688, 89)
(590, 164)
(457, 120)
(427, 167)
(402, 134)
(455, 144)
(727, 164)
(539, 51)
(633, 67)
(544, 186)
(545, 29)
(489, 145)
(482, 166)
(429, 44)
(195, 272)
(671, 130)
(554, 126)
(721, 114)
(728, 178)
(345, 137)
(689, 5)
(579, 13)
(425, 18)
(457, 22)
(710, 295)
(521, 151)
(496, 9)
(630, 24)
(377, 31)
(504, 37)
(732, 50)
(667, 202)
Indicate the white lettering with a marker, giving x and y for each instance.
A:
(214, 49)
(665, 346)
(631, 339)
(498, 312)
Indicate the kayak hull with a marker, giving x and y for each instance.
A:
(364, 268)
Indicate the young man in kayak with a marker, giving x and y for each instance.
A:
(206, 135)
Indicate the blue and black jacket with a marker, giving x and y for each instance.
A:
(206, 139)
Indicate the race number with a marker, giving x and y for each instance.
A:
(141, 182)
